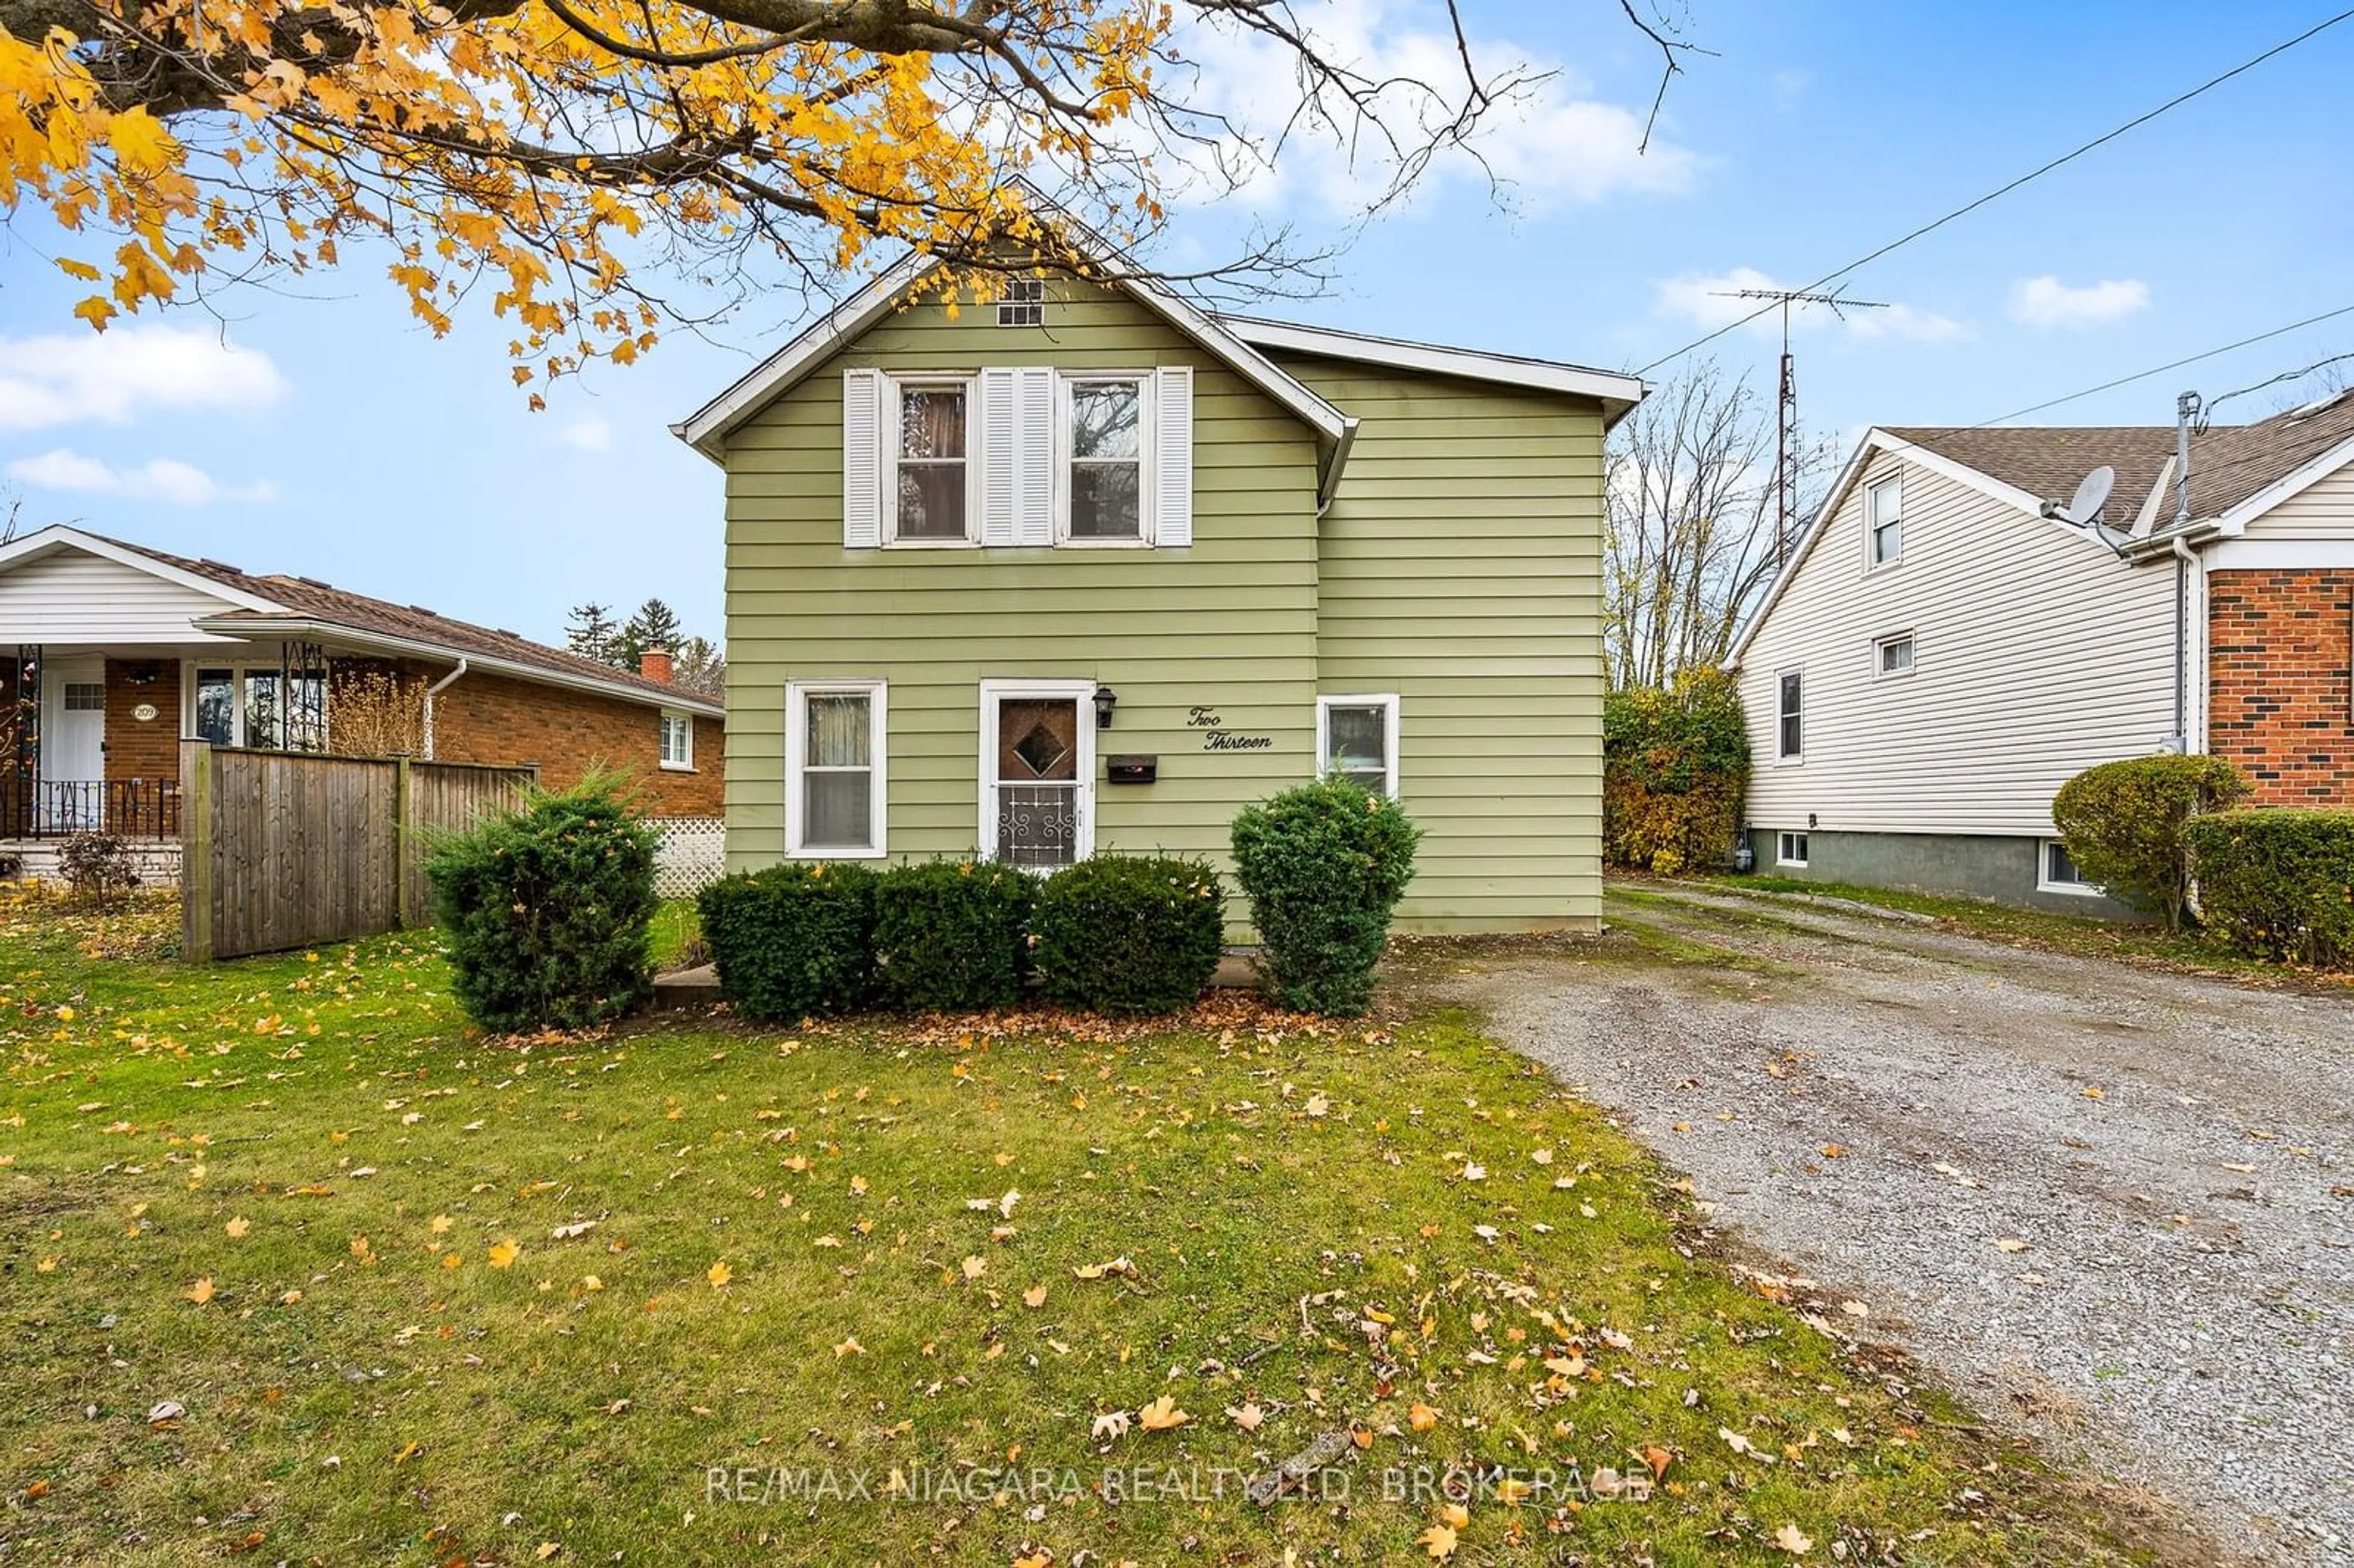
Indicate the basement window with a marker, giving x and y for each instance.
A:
(1790, 848)
(2057, 872)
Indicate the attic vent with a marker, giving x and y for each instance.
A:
(315, 582)
(1025, 302)
(420, 609)
(217, 566)
(505, 632)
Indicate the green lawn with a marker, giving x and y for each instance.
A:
(696, 1293)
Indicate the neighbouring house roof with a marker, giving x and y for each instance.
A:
(2236, 472)
(274, 604)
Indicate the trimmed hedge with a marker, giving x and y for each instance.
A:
(547, 909)
(2124, 823)
(2277, 884)
(1675, 764)
(1324, 864)
(948, 936)
(1127, 934)
(792, 941)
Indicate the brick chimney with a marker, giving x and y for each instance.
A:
(654, 665)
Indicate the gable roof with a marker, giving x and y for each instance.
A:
(261, 604)
(1617, 394)
(2049, 462)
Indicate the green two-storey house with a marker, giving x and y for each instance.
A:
(1086, 569)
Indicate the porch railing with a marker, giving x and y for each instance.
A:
(59, 808)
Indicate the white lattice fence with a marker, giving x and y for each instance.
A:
(691, 856)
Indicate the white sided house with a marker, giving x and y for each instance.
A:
(1943, 653)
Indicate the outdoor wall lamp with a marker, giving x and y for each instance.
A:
(1106, 700)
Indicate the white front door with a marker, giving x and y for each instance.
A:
(73, 743)
(1037, 772)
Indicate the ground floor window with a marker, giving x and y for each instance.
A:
(1037, 771)
(1356, 738)
(2056, 871)
(267, 706)
(677, 741)
(835, 789)
(1791, 850)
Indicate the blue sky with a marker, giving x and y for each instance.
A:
(344, 442)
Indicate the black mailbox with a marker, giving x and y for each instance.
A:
(1132, 769)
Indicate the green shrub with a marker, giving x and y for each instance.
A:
(547, 909)
(1129, 934)
(1675, 762)
(949, 935)
(2123, 824)
(792, 941)
(2278, 884)
(1324, 864)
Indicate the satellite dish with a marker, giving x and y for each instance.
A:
(2092, 494)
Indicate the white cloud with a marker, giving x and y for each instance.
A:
(590, 433)
(114, 376)
(158, 478)
(1706, 300)
(1551, 144)
(2047, 304)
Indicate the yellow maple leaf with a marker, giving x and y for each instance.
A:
(1455, 1516)
(1422, 1418)
(719, 1273)
(975, 1266)
(237, 1227)
(505, 1253)
(1161, 1416)
(201, 1291)
(1438, 1541)
(1034, 1297)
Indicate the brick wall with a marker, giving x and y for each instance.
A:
(492, 718)
(136, 749)
(2280, 677)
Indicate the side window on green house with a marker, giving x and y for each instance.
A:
(835, 785)
(1357, 739)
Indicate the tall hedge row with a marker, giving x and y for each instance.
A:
(1675, 763)
(2277, 884)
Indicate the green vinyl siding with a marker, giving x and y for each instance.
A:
(1228, 623)
(1460, 568)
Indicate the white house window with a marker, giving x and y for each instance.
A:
(1790, 850)
(835, 789)
(1103, 440)
(677, 740)
(1894, 655)
(2057, 871)
(1791, 742)
(1356, 738)
(1023, 303)
(1883, 515)
(930, 492)
(261, 706)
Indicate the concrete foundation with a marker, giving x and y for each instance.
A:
(1972, 866)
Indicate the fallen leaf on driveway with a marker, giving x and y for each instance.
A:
(2010, 1244)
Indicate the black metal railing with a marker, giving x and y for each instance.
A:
(59, 808)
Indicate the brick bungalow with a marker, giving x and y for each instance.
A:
(112, 653)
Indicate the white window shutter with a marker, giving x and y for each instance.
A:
(1034, 513)
(1001, 457)
(862, 460)
(1173, 455)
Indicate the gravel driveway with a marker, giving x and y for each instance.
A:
(1893, 1109)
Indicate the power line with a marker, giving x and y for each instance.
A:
(2068, 157)
(2274, 381)
(2162, 369)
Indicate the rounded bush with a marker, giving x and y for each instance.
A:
(1324, 864)
(2124, 823)
(1129, 934)
(2278, 884)
(792, 941)
(949, 935)
(547, 909)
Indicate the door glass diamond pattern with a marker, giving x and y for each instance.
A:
(1041, 749)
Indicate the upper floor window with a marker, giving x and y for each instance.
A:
(677, 740)
(1883, 516)
(929, 489)
(1103, 443)
(1023, 303)
(1792, 715)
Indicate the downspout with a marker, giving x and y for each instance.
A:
(432, 691)
(2187, 408)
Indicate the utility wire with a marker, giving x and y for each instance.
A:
(2162, 369)
(2274, 381)
(2068, 157)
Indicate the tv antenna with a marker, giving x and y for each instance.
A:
(1786, 442)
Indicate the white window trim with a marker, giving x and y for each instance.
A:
(1880, 670)
(2043, 883)
(1871, 561)
(1781, 757)
(238, 668)
(1388, 703)
(1033, 297)
(899, 384)
(1147, 429)
(685, 764)
(1782, 838)
(992, 692)
(797, 696)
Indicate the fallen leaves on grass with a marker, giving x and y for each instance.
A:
(201, 1291)
(504, 1254)
(1439, 1541)
(719, 1273)
(1793, 1540)
(1161, 1416)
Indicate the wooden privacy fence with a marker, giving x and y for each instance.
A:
(285, 849)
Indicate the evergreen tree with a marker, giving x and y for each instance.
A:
(589, 631)
(702, 667)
